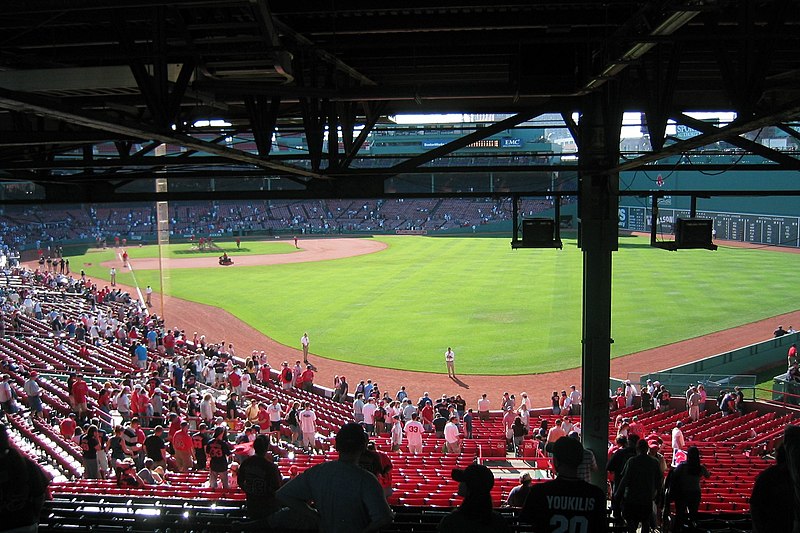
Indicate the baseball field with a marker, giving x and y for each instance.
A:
(401, 301)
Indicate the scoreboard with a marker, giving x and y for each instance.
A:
(759, 229)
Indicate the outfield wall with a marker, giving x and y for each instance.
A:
(729, 181)
(772, 220)
(742, 361)
(748, 359)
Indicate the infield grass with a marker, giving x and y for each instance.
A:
(502, 311)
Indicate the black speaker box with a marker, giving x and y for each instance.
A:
(537, 231)
(693, 232)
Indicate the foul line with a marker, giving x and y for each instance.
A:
(135, 283)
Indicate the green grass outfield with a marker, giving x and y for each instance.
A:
(503, 311)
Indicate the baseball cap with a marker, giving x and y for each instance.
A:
(478, 478)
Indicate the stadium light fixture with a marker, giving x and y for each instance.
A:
(637, 51)
(669, 26)
(674, 22)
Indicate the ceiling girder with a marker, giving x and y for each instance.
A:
(466, 140)
(179, 90)
(786, 161)
(263, 120)
(789, 131)
(163, 97)
(347, 112)
(656, 26)
(572, 126)
(736, 128)
(373, 112)
(413, 57)
(28, 104)
(188, 154)
(123, 148)
(313, 112)
(661, 89)
(63, 138)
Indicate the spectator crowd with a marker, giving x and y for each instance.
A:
(185, 404)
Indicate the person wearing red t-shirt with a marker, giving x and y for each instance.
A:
(636, 428)
(79, 391)
(142, 403)
(619, 400)
(426, 414)
(307, 378)
(263, 370)
(134, 400)
(384, 475)
(169, 344)
(183, 445)
(175, 422)
(286, 376)
(791, 356)
(235, 380)
(263, 419)
(67, 426)
(83, 351)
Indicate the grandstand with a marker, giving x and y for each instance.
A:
(735, 448)
(32, 228)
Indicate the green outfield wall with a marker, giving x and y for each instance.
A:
(723, 369)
